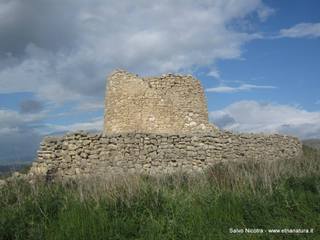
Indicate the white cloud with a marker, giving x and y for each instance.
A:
(264, 12)
(309, 30)
(214, 73)
(67, 57)
(12, 120)
(90, 106)
(21, 133)
(242, 87)
(95, 124)
(251, 116)
(19, 138)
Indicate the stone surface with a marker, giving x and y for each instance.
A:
(2, 183)
(154, 125)
(171, 104)
(157, 154)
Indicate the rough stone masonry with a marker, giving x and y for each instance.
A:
(171, 104)
(154, 125)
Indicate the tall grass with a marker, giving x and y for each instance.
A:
(251, 194)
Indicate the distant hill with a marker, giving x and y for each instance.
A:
(314, 143)
(6, 170)
(13, 161)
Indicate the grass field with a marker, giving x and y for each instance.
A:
(254, 195)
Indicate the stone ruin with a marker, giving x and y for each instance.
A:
(154, 125)
(171, 104)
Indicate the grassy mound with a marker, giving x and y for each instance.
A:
(228, 198)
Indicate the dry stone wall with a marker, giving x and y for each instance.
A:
(83, 154)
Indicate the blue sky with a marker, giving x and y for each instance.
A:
(257, 60)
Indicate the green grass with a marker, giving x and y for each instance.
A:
(281, 194)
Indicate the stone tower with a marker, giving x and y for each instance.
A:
(164, 128)
(170, 104)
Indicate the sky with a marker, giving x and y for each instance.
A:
(259, 62)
